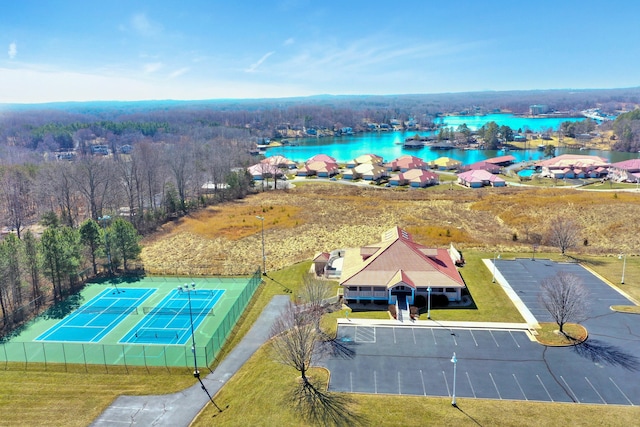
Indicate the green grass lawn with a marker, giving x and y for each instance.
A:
(258, 394)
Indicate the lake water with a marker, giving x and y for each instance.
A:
(389, 144)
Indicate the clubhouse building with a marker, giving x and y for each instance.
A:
(393, 270)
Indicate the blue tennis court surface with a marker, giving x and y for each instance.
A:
(170, 321)
(96, 318)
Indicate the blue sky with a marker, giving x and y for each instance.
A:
(80, 50)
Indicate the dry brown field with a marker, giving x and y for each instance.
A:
(315, 216)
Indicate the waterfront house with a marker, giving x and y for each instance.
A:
(398, 269)
(414, 178)
(445, 163)
(627, 170)
(565, 165)
(365, 159)
(322, 158)
(404, 163)
(263, 171)
(280, 162)
(483, 165)
(319, 168)
(480, 178)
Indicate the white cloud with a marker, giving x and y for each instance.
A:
(13, 50)
(289, 41)
(144, 26)
(152, 67)
(255, 65)
(179, 72)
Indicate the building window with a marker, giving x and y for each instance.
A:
(450, 290)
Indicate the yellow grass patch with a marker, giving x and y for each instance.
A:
(633, 309)
(550, 335)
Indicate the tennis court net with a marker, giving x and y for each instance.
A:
(92, 309)
(165, 311)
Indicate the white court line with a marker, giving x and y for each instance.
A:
(621, 392)
(545, 388)
(494, 339)
(494, 384)
(471, 385)
(474, 339)
(575, 398)
(424, 389)
(514, 339)
(519, 386)
(594, 389)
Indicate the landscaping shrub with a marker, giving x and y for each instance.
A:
(439, 300)
(420, 301)
(392, 311)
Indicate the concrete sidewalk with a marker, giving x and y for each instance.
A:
(434, 324)
(179, 409)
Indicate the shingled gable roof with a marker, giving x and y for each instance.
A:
(397, 253)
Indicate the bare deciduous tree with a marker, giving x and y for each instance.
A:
(316, 294)
(564, 233)
(565, 298)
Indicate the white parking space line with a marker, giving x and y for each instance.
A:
(545, 388)
(435, 342)
(351, 380)
(471, 385)
(494, 384)
(394, 335)
(575, 398)
(514, 339)
(474, 338)
(494, 339)
(594, 389)
(399, 384)
(424, 389)
(413, 330)
(621, 392)
(519, 386)
(446, 383)
(455, 341)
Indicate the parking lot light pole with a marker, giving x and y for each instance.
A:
(196, 372)
(623, 257)
(493, 279)
(264, 258)
(454, 360)
(429, 302)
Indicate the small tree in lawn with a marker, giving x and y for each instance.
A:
(564, 233)
(296, 339)
(565, 298)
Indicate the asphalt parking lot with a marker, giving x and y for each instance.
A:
(498, 363)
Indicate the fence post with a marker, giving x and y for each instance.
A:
(6, 357)
(64, 356)
(124, 357)
(24, 349)
(104, 355)
(84, 356)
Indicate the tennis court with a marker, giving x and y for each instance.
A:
(142, 321)
(96, 318)
(170, 321)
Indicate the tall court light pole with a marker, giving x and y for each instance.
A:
(454, 360)
(264, 258)
(623, 257)
(104, 220)
(196, 372)
(429, 302)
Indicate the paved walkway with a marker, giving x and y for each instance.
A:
(179, 409)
